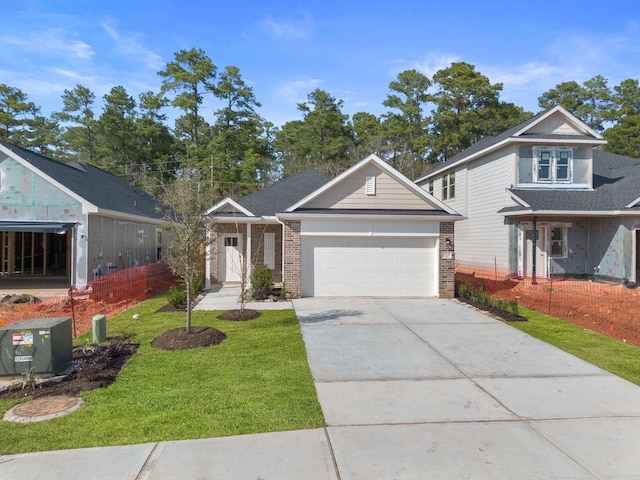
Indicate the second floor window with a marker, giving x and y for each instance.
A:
(449, 186)
(553, 165)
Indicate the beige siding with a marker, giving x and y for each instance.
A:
(350, 193)
(555, 124)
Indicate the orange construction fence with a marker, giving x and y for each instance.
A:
(611, 308)
(106, 295)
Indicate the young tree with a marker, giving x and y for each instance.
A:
(186, 225)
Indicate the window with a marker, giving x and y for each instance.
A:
(430, 188)
(558, 242)
(270, 250)
(449, 186)
(230, 241)
(553, 164)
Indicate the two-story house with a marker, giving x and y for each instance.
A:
(542, 198)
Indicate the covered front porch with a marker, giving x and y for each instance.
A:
(600, 247)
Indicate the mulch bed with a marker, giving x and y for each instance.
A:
(179, 339)
(92, 369)
(239, 315)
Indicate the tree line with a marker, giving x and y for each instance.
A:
(236, 151)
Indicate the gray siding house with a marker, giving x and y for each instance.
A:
(71, 220)
(543, 198)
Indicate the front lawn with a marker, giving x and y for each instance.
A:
(257, 380)
(612, 355)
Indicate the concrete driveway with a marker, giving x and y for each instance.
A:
(410, 389)
(430, 388)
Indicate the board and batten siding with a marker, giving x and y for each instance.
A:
(482, 238)
(351, 193)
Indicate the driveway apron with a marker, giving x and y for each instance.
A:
(431, 388)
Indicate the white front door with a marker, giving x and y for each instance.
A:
(231, 258)
(540, 253)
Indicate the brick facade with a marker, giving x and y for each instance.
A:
(446, 280)
(257, 246)
(292, 257)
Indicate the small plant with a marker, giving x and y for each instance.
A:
(480, 297)
(196, 286)
(283, 290)
(177, 296)
(29, 379)
(261, 282)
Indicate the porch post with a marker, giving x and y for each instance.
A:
(248, 255)
(534, 259)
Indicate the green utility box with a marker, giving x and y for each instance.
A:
(99, 324)
(42, 345)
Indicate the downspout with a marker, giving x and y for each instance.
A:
(248, 256)
(281, 251)
(534, 254)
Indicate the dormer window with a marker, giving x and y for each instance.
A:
(552, 164)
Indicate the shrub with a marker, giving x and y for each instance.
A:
(261, 282)
(480, 297)
(197, 285)
(177, 296)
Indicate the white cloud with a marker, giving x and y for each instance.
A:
(287, 28)
(130, 44)
(297, 90)
(51, 42)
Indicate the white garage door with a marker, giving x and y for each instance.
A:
(369, 266)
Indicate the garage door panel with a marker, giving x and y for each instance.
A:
(369, 266)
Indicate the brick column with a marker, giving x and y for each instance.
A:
(446, 266)
(292, 257)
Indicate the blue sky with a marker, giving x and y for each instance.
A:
(286, 49)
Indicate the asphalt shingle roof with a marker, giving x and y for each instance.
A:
(99, 187)
(281, 195)
(616, 183)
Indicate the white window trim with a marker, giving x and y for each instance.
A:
(446, 186)
(565, 249)
(553, 164)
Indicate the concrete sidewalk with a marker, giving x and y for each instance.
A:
(410, 388)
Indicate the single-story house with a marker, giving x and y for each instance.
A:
(71, 220)
(543, 199)
(367, 232)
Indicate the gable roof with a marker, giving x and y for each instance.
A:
(276, 197)
(384, 166)
(523, 132)
(106, 192)
(616, 188)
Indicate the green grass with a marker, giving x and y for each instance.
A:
(612, 355)
(257, 380)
